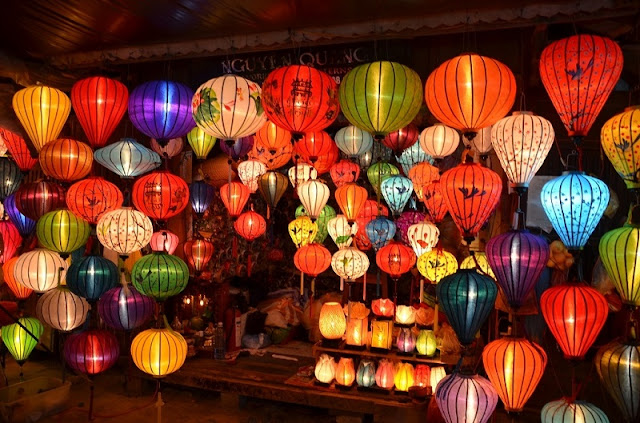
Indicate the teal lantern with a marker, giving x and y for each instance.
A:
(396, 191)
(21, 342)
(366, 373)
(160, 275)
(323, 219)
(412, 156)
(92, 276)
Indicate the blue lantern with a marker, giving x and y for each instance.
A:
(23, 223)
(162, 110)
(201, 195)
(467, 298)
(412, 156)
(380, 231)
(127, 158)
(396, 191)
(574, 203)
(92, 276)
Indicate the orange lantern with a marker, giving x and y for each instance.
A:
(160, 195)
(344, 172)
(357, 332)
(313, 145)
(422, 175)
(383, 307)
(18, 149)
(395, 259)
(470, 92)
(198, 253)
(19, 290)
(332, 323)
(273, 137)
(250, 225)
(92, 197)
(273, 158)
(11, 240)
(402, 138)
(434, 201)
(164, 241)
(66, 159)
(234, 195)
(345, 372)
(311, 259)
(323, 163)
(422, 375)
(351, 198)
(382, 334)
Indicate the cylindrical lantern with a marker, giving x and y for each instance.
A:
(395, 259)
(385, 374)
(351, 198)
(403, 379)
(325, 370)
(158, 352)
(20, 291)
(344, 172)
(91, 351)
(62, 231)
(380, 231)
(164, 240)
(350, 263)
(357, 332)
(396, 191)
(124, 308)
(127, 158)
(201, 195)
(353, 141)
(421, 175)
(402, 138)
(160, 275)
(381, 334)
(434, 201)
(40, 269)
(11, 240)
(313, 195)
(198, 253)
(35, 199)
(92, 276)
(250, 225)
(18, 341)
(439, 141)
(332, 323)
(366, 374)
(66, 159)
(345, 372)
(201, 143)
(302, 231)
(62, 309)
(272, 186)
(124, 230)
(171, 149)
(437, 264)
(341, 230)
(17, 147)
(426, 343)
(618, 365)
(249, 171)
(570, 411)
(423, 237)
(160, 195)
(465, 398)
(92, 197)
(617, 136)
(10, 176)
(406, 341)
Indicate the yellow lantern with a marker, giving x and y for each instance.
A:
(437, 374)
(405, 315)
(345, 372)
(618, 137)
(62, 231)
(426, 343)
(201, 143)
(356, 332)
(159, 352)
(381, 334)
(436, 264)
(302, 231)
(42, 111)
(403, 379)
(332, 322)
(480, 262)
(325, 369)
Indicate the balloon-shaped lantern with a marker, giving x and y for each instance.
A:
(160, 275)
(396, 191)
(395, 259)
(466, 398)
(618, 365)
(344, 172)
(198, 253)
(342, 231)
(124, 230)
(380, 231)
(160, 195)
(273, 138)
(35, 199)
(351, 198)
(302, 231)
(249, 171)
(92, 276)
(570, 411)
(20, 291)
(21, 342)
(250, 225)
(171, 149)
(617, 137)
(92, 197)
(300, 173)
(439, 141)
(91, 351)
(353, 141)
(164, 240)
(313, 195)
(10, 177)
(311, 259)
(379, 172)
(413, 156)
(401, 139)
(272, 186)
(40, 270)
(62, 231)
(23, 224)
(127, 158)
(235, 195)
(201, 143)
(159, 352)
(62, 309)
(66, 159)
(17, 147)
(124, 308)
(201, 195)
(423, 236)
(350, 263)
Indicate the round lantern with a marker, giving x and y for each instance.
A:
(124, 230)
(325, 369)
(437, 264)
(10, 177)
(380, 97)
(423, 236)
(345, 372)
(406, 341)
(250, 225)
(160, 275)
(161, 109)
(379, 172)
(160, 195)
(62, 231)
(341, 231)
(171, 149)
(17, 147)
(353, 141)
(159, 352)
(91, 276)
(617, 137)
(514, 367)
(39, 270)
(574, 203)
(273, 159)
(164, 241)
(23, 224)
(201, 195)
(20, 291)
(344, 172)
(396, 191)
(198, 253)
(426, 343)
(91, 351)
(385, 374)
(324, 163)
(479, 262)
(313, 145)
(401, 139)
(234, 195)
(350, 263)
(351, 198)
(92, 197)
(124, 308)
(66, 159)
(249, 171)
(366, 374)
(568, 411)
(228, 107)
(471, 193)
(465, 398)
(395, 259)
(272, 186)
(517, 259)
(439, 141)
(127, 158)
(300, 173)
(99, 103)
(422, 175)
(413, 156)
(201, 143)
(522, 142)
(434, 201)
(322, 221)
(380, 231)
(62, 309)
(470, 92)
(579, 73)
(18, 341)
(273, 137)
(35, 199)
(332, 323)
(467, 298)
(618, 365)
(42, 111)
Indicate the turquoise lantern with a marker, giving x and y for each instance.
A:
(92, 276)
(574, 203)
(380, 231)
(412, 156)
(127, 158)
(396, 191)
(366, 373)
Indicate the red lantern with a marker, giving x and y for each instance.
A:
(250, 225)
(272, 158)
(234, 196)
(92, 197)
(99, 104)
(344, 172)
(164, 241)
(395, 259)
(10, 240)
(575, 315)
(66, 159)
(92, 351)
(434, 201)
(300, 99)
(36, 199)
(198, 253)
(324, 162)
(313, 145)
(579, 73)
(20, 291)
(351, 198)
(311, 259)
(18, 149)
(272, 137)
(402, 139)
(471, 193)
(160, 195)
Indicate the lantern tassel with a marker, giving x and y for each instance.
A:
(341, 284)
(435, 318)
(313, 287)
(378, 283)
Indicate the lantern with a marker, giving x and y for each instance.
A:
(234, 195)
(10, 177)
(382, 307)
(514, 367)
(301, 173)
(312, 259)
(160, 195)
(164, 240)
(470, 92)
(385, 374)
(92, 276)
(172, 148)
(467, 298)
(18, 341)
(380, 231)
(401, 139)
(479, 262)
(62, 231)
(403, 379)
(437, 264)
(62, 309)
(575, 315)
(160, 275)
(38, 270)
(379, 172)
(273, 137)
(404, 222)
(351, 198)
(200, 196)
(439, 141)
(198, 253)
(127, 158)
(437, 374)
(353, 141)
(522, 142)
(618, 365)
(395, 259)
(405, 315)
(434, 201)
(325, 370)
(350, 263)
(481, 143)
(421, 375)
(313, 145)
(66, 159)
(302, 231)
(250, 225)
(272, 158)
(465, 398)
(426, 343)
(421, 175)
(272, 186)
(99, 103)
(201, 143)
(396, 191)
(471, 193)
(423, 236)
(341, 231)
(236, 149)
(366, 374)
(345, 372)
(124, 230)
(413, 156)
(617, 137)
(124, 308)
(579, 73)
(569, 411)
(17, 147)
(20, 291)
(406, 341)
(324, 163)
(332, 323)
(380, 97)
(42, 111)
(357, 332)
(344, 172)
(91, 351)
(22, 223)
(517, 258)
(313, 195)
(249, 171)
(158, 352)
(382, 333)
(92, 197)
(35, 199)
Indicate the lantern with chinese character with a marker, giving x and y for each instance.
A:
(201, 143)
(345, 372)
(124, 230)
(342, 231)
(17, 147)
(434, 201)
(395, 259)
(92, 197)
(421, 175)
(618, 365)
(249, 171)
(91, 351)
(380, 231)
(66, 159)
(62, 309)
(406, 341)
(353, 141)
(23, 224)
(344, 172)
(351, 197)
(272, 186)
(465, 398)
(385, 374)
(437, 264)
(35, 199)
(325, 370)
(350, 263)
(302, 231)
(201, 195)
(401, 139)
(439, 141)
(159, 352)
(570, 411)
(62, 231)
(92, 276)
(160, 275)
(198, 253)
(366, 374)
(423, 237)
(160, 195)
(250, 225)
(39, 270)
(164, 240)
(127, 158)
(382, 333)
(332, 323)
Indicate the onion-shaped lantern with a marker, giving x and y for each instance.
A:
(380, 231)
(23, 224)
(574, 203)
(345, 372)
(92, 197)
(92, 351)
(617, 137)
(353, 141)
(467, 298)
(341, 231)
(62, 231)
(91, 276)
(618, 365)
(250, 225)
(66, 159)
(351, 198)
(35, 199)
(575, 315)
(249, 171)
(201, 143)
(124, 308)
(396, 191)
(17, 147)
(62, 309)
(379, 172)
(160, 195)
(201, 195)
(332, 323)
(312, 146)
(159, 352)
(272, 186)
(10, 177)
(422, 175)
(514, 367)
(344, 172)
(380, 97)
(434, 201)
(300, 173)
(20, 291)
(272, 158)
(437, 264)
(171, 149)
(439, 141)
(385, 374)
(234, 195)
(198, 253)
(127, 158)
(124, 230)
(164, 241)
(350, 263)
(465, 398)
(395, 259)
(569, 411)
(302, 231)
(160, 275)
(401, 139)
(18, 341)
(313, 195)
(40, 270)
(423, 236)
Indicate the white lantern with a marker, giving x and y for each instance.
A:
(249, 171)
(350, 263)
(124, 230)
(437, 374)
(40, 269)
(127, 158)
(353, 141)
(423, 237)
(439, 140)
(567, 411)
(341, 231)
(301, 173)
(62, 309)
(314, 195)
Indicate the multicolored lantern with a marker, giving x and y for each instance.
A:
(35, 199)
(401, 139)
(249, 171)
(23, 224)
(124, 230)
(434, 201)
(396, 191)
(437, 264)
(250, 225)
(569, 411)
(20, 291)
(10, 177)
(423, 237)
(62, 231)
(439, 141)
(160, 275)
(62, 309)
(40, 270)
(164, 240)
(18, 341)
(395, 259)
(201, 195)
(380, 231)
(351, 198)
(302, 231)
(350, 263)
(92, 197)
(353, 141)
(66, 159)
(465, 398)
(341, 231)
(127, 158)
(159, 352)
(160, 195)
(91, 351)
(618, 365)
(332, 323)
(91, 276)
(17, 147)
(201, 143)
(124, 308)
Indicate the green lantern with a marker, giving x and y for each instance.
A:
(18, 341)
(62, 231)
(378, 172)
(160, 275)
(380, 97)
(323, 219)
(426, 343)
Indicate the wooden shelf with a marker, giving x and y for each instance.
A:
(393, 355)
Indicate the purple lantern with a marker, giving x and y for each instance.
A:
(237, 148)
(161, 110)
(517, 258)
(405, 220)
(23, 223)
(406, 341)
(465, 398)
(92, 351)
(124, 308)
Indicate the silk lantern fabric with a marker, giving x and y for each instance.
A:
(198, 253)
(341, 231)
(62, 231)
(23, 224)
(395, 259)
(413, 156)
(344, 172)
(250, 225)
(91, 351)
(439, 140)
(379, 172)
(158, 352)
(160, 275)
(66, 159)
(124, 230)
(20, 291)
(234, 195)
(434, 201)
(569, 411)
(312, 259)
(124, 308)
(10, 177)
(91, 276)
(350, 263)
(172, 148)
(273, 137)
(313, 195)
(160, 195)
(302, 230)
(201, 143)
(249, 171)
(618, 365)
(35, 199)
(465, 398)
(127, 158)
(351, 198)
(353, 141)
(164, 240)
(380, 231)
(423, 236)
(201, 195)
(62, 309)
(396, 191)
(92, 197)
(272, 158)
(437, 264)
(20, 343)
(17, 147)
(421, 175)
(618, 137)
(40, 269)
(272, 186)
(401, 139)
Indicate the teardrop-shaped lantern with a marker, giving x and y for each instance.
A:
(342, 231)
(353, 141)
(401, 139)
(160, 195)
(91, 276)
(312, 259)
(159, 352)
(322, 221)
(35, 199)
(23, 224)
(437, 264)
(344, 172)
(164, 240)
(201, 143)
(124, 308)
(380, 231)
(160, 275)
(20, 291)
(571, 411)
(17, 147)
(439, 141)
(10, 177)
(350, 263)
(198, 253)
(124, 230)
(405, 220)
(465, 398)
(40, 270)
(249, 171)
(396, 191)
(617, 137)
(92, 351)
(422, 175)
(172, 148)
(313, 195)
(127, 158)
(62, 231)
(272, 186)
(379, 172)
(395, 259)
(351, 199)
(618, 365)
(62, 309)
(201, 195)
(18, 341)
(302, 231)
(434, 201)
(250, 225)
(92, 197)
(423, 236)
(479, 262)
(234, 195)
(66, 159)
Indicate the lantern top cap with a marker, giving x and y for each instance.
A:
(630, 108)
(333, 303)
(522, 112)
(573, 172)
